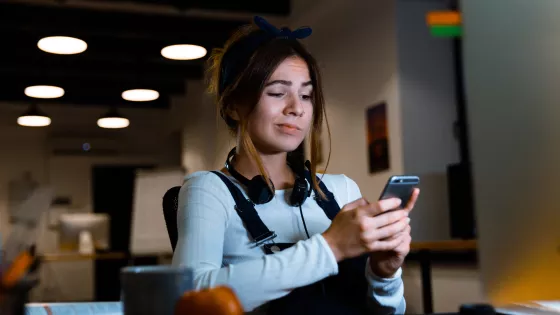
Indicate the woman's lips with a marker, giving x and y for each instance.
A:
(289, 129)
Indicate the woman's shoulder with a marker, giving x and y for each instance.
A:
(203, 191)
(336, 179)
(206, 181)
(341, 186)
(201, 177)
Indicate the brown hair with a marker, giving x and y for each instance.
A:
(246, 87)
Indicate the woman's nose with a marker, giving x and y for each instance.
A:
(294, 106)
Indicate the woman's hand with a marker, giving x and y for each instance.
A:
(362, 227)
(386, 263)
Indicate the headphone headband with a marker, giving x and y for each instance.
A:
(232, 170)
(259, 192)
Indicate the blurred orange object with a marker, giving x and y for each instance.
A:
(443, 18)
(214, 301)
(17, 270)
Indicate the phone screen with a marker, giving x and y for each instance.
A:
(400, 187)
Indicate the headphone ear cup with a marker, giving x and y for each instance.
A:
(258, 190)
(299, 193)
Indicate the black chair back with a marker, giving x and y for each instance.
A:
(170, 204)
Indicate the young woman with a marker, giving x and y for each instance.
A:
(286, 239)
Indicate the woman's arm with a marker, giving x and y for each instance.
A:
(202, 221)
(386, 295)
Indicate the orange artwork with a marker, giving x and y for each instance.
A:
(377, 138)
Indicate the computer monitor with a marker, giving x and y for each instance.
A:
(513, 111)
(71, 225)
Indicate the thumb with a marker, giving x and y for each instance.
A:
(355, 204)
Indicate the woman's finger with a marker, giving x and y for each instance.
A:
(384, 232)
(369, 223)
(413, 198)
(379, 245)
(379, 207)
(355, 204)
(388, 218)
(401, 234)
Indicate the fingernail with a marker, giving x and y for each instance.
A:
(407, 220)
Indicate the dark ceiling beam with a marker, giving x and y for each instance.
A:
(87, 89)
(23, 46)
(217, 9)
(120, 25)
(83, 95)
(77, 66)
(278, 7)
(70, 82)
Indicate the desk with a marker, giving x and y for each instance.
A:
(424, 251)
(444, 245)
(58, 257)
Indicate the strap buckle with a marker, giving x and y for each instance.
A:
(270, 235)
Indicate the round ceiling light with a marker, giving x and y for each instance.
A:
(44, 91)
(62, 45)
(113, 120)
(140, 95)
(183, 52)
(34, 118)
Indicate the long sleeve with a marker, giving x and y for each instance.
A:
(203, 219)
(386, 295)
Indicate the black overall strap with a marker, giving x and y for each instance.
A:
(246, 211)
(329, 206)
(258, 230)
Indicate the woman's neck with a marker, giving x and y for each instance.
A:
(274, 164)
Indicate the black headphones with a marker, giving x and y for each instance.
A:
(260, 193)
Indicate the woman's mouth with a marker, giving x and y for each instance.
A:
(289, 129)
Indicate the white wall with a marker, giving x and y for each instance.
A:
(22, 153)
(206, 139)
(204, 134)
(428, 110)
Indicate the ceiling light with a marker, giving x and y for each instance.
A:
(183, 52)
(113, 120)
(62, 45)
(140, 95)
(34, 118)
(44, 91)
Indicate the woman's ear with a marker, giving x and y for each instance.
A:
(232, 113)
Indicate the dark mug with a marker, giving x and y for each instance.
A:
(151, 290)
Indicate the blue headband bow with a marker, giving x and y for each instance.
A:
(237, 57)
(283, 32)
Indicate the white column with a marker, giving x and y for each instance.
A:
(199, 132)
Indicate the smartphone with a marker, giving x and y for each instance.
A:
(400, 187)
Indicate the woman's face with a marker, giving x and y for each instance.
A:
(283, 115)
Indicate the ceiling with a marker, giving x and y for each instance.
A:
(124, 42)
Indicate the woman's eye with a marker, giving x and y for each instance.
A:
(306, 97)
(275, 94)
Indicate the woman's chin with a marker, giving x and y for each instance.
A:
(283, 147)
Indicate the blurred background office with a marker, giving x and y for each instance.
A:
(98, 96)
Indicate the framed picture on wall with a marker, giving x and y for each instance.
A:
(377, 138)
